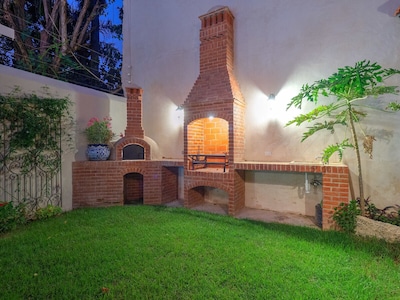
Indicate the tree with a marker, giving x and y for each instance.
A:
(60, 40)
(347, 89)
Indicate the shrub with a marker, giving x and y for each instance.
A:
(345, 216)
(389, 214)
(47, 212)
(11, 216)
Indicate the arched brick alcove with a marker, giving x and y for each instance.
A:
(133, 188)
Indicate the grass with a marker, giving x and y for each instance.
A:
(150, 252)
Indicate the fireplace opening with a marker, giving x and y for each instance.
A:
(215, 196)
(133, 188)
(208, 140)
(133, 152)
(208, 195)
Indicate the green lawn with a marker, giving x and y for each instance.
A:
(147, 252)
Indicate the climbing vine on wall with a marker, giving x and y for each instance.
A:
(33, 130)
(32, 125)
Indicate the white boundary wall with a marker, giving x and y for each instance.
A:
(87, 103)
(279, 45)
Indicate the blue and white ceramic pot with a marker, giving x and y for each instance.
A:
(98, 152)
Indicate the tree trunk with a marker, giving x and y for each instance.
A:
(357, 151)
(63, 27)
(14, 15)
(95, 44)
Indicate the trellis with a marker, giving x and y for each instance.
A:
(31, 135)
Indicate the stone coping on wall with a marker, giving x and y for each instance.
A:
(296, 166)
(293, 166)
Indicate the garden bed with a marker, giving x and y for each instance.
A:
(372, 228)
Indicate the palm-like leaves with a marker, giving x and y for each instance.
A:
(348, 86)
(348, 83)
(332, 149)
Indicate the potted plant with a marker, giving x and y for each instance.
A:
(99, 135)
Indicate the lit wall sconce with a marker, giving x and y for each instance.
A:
(179, 107)
(271, 96)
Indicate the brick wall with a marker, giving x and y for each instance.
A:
(169, 184)
(101, 183)
(195, 137)
(208, 136)
(335, 189)
(215, 136)
(238, 195)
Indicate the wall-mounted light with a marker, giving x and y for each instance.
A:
(210, 117)
(177, 114)
(271, 96)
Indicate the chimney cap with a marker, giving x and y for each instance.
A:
(218, 9)
(215, 8)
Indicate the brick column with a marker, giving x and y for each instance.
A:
(335, 188)
(134, 113)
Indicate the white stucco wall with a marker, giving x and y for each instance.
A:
(87, 103)
(279, 45)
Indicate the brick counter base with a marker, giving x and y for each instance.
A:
(101, 183)
(335, 182)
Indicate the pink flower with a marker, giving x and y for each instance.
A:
(99, 132)
(92, 121)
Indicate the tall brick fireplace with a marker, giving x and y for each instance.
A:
(214, 115)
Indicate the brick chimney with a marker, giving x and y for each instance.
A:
(216, 91)
(132, 145)
(134, 113)
(216, 37)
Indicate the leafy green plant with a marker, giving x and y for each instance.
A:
(11, 216)
(99, 131)
(34, 132)
(347, 88)
(48, 212)
(389, 214)
(345, 215)
(32, 125)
